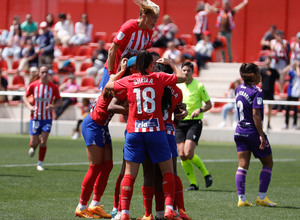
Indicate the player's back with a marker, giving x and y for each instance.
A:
(245, 96)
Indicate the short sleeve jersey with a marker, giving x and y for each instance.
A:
(144, 94)
(193, 96)
(175, 98)
(248, 98)
(269, 76)
(131, 40)
(201, 22)
(43, 95)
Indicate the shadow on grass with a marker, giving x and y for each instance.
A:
(217, 190)
(65, 170)
(9, 175)
(287, 207)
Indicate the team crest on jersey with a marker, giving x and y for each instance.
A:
(259, 100)
(120, 36)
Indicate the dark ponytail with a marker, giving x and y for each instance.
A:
(247, 70)
(143, 61)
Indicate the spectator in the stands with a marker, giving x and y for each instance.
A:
(3, 87)
(225, 23)
(14, 46)
(268, 78)
(164, 32)
(29, 57)
(45, 43)
(268, 36)
(50, 21)
(6, 34)
(293, 70)
(230, 105)
(83, 31)
(279, 51)
(69, 86)
(202, 9)
(99, 58)
(29, 28)
(295, 49)
(63, 29)
(203, 50)
(172, 53)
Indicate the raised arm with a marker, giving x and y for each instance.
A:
(240, 6)
(181, 77)
(112, 52)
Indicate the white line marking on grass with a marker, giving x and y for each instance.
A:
(120, 162)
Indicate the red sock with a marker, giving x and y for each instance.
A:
(42, 153)
(159, 201)
(179, 193)
(119, 203)
(117, 191)
(148, 192)
(102, 179)
(126, 191)
(169, 188)
(88, 183)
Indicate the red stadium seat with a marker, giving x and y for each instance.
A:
(83, 53)
(65, 53)
(217, 51)
(17, 83)
(187, 38)
(83, 67)
(112, 36)
(87, 83)
(217, 107)
(158, 50)
(15, 66)
(100, 36)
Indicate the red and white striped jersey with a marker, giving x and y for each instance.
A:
(43, 95)
(131, 40)
(144, 94)
(201, 22)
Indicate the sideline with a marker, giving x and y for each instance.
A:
(120, 162)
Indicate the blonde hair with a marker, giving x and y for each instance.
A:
(147, 6)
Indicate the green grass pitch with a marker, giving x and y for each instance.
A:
(26, 193)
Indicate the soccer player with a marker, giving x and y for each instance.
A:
(145, 127)
(171, 100)
(99, 151)
(44, 94)
(133, 36)
(249, 136)
(189, 129)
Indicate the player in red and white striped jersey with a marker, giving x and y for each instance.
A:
(133, 36)
(44, 94)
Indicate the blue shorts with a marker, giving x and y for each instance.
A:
(137, 145)
(39, 126)
(94, 134)
(104, 79)
(173, 145)
(251, 142)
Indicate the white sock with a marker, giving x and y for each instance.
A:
(261, 195)
(94, 203)
(125, 211)
(114, 209)
(242, 197)
(170, 207)
(40, 163)
(81, 207)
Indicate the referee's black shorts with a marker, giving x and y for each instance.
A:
(189, 129)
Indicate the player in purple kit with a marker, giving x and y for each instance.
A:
(249, 136)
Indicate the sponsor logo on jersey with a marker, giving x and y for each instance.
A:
(169, 127)
(147, 123)
(120, 36)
